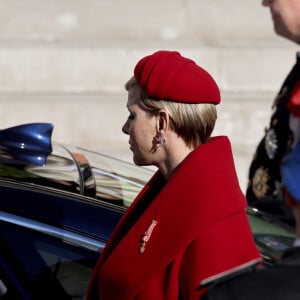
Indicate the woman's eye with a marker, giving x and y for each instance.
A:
(131, 117)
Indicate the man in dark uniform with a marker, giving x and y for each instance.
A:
(265, 183)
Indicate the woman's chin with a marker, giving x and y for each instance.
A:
(139, 162)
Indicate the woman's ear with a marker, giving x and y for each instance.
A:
(163, 120)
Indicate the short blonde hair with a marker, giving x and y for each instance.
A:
(194, 123)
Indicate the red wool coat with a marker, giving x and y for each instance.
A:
(191, 228)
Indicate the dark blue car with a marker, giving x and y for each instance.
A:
(59, 205)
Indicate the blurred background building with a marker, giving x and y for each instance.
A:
(66, 62)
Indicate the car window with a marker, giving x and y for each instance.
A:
(117, 181)
(80, 171)
(42, 265)
(60, 172)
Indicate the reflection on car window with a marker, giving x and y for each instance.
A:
(115, 181)
(48, 267)
(60, 172)
(80, 171)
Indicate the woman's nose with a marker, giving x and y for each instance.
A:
(125, 128)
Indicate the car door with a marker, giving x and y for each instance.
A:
(43, 264)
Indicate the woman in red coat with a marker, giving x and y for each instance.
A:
(188, 225)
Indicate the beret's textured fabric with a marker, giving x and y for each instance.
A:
(168, 75)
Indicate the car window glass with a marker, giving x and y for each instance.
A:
(82, 172)
(116, 181)
(60, 171)
(52, 266)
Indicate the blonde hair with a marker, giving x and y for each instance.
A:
(194, 123)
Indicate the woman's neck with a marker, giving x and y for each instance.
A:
(174, 155)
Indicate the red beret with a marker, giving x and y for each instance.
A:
(168, 75)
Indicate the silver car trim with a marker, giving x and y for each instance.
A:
(63, 234)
